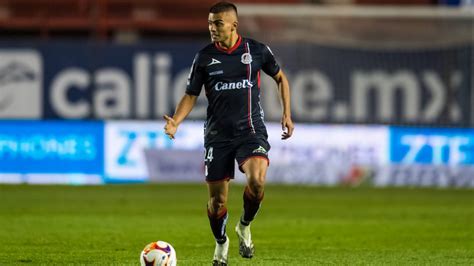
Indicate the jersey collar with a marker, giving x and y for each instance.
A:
(231, 49)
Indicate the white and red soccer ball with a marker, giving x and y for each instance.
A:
(159, 253)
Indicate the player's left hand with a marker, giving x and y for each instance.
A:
(287, 127)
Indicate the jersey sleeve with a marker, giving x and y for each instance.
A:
(195, 78)
(269, 64)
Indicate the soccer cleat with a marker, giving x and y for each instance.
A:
(220, 253)
(216, 263)
(246, 248)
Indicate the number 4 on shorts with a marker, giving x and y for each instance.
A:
(209, 154)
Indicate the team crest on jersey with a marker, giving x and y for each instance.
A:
(246, 58)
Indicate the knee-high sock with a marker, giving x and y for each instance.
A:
(251, 205)
(218, 223)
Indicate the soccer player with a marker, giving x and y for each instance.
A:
(229, 68)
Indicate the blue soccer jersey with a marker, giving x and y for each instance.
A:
(231, 80)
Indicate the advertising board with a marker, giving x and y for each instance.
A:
(72, 80)
(51, 151)
(126, 142)
(429, 157)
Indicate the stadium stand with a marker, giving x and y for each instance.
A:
(100, 17)
(396, 2)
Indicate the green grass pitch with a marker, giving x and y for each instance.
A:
(297, 225)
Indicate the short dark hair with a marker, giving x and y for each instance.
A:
(223, 6)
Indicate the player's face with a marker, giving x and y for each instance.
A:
(222, 25)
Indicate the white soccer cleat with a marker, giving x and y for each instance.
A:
(246, 248)
(220, 253)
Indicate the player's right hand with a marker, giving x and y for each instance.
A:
(171, 126)
(287, 126)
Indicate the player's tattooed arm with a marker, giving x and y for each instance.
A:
(284, 94)
(182, 110)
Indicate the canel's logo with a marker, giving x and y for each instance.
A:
(222, 86)
(20, 84)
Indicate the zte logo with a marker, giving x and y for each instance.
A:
(222, 86)
(125, 148)
(20, 84)
(436, 149)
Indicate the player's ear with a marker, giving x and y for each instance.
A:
(235, 24)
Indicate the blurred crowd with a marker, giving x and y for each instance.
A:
(150, 18)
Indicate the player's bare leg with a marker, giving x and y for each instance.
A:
(255, 170)
(217, 213)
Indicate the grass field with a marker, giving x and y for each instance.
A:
(109, 225)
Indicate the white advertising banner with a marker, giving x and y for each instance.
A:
(126, 142)
(314, 155)
(327, 154)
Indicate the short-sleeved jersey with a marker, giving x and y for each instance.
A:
(231, 80)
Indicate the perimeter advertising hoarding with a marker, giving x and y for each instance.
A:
(51, 151)
(21, 81)
(429, 157)
(329, 84)
(127, 141)
(423, 87)
(314, 155)
(74, 152)
(327, 154)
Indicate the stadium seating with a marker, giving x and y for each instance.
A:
(103, 16)
(396, 2)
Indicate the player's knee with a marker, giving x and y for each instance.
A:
(216, 205)
(256, 176)
(256, 187)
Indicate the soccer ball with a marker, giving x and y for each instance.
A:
(159, 253)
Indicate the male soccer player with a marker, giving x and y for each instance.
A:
(229, 68)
